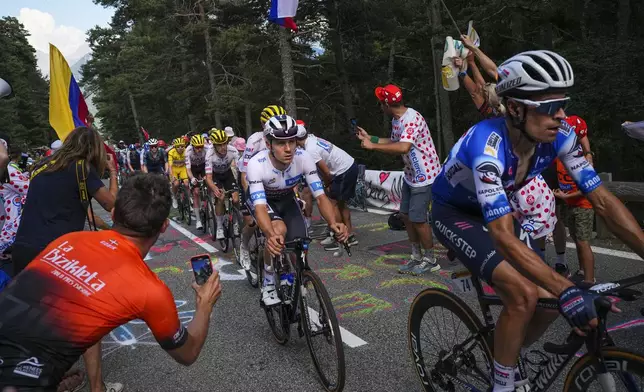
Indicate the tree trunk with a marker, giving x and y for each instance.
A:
(336, 44)
(249, 121)
(623, 17)
(184, 79)
(211, 72)
(443, 110)
(288, 78)
(390, 79)
(136, 117)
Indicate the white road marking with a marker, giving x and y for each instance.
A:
(609, 252)
(348, 338)
(220, 262)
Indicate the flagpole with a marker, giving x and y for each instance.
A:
(452, 18)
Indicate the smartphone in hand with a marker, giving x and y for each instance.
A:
(201, 267)
(354, 123)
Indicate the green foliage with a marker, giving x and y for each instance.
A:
(24, 116)
(155, 50)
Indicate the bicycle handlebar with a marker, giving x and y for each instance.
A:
(292, 245)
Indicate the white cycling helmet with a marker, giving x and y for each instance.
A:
(153, 142)
(534, 72)
(229, 131)
(281, 127)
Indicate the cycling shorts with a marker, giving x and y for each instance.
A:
(198, 171)
(179, 173)
(467, 236)
(286, 209)
(225, 180)
(156, 169)
(343, 186)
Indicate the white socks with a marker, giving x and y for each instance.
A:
(561, 258)
(503, 378)
(220, 221)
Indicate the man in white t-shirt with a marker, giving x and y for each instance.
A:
(339, 172)
(410, 138)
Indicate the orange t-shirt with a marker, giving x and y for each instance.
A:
(77, 290)
(567, 185)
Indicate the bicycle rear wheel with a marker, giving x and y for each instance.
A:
(255, 252)
(322, 332)
(225, 242)
(625, 372)
(447, 344)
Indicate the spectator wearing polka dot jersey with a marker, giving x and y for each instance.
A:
(411, 139)
(13, 190)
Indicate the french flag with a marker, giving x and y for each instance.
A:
(282, 13)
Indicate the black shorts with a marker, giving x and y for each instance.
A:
(288, 210)
(225, 180)
(467, 236)
(156, 169)
(343, 186)
(198, 171)
(29, 370)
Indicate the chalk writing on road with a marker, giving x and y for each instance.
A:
(347, 272)
(358, 304)
(136, 333)
(412, 280)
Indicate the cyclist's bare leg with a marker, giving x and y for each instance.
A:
(175, 186)
(345, 215)
(195, 199)
(235, 197)
(518, 316)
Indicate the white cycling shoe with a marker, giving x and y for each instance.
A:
(244, 258)
(199, 225)
(269, 295)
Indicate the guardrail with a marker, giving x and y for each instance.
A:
(631, 193)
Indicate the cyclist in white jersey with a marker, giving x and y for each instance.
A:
(219, 175)
(339, 172)
(272, 173)
(254, 144)
(196, 167)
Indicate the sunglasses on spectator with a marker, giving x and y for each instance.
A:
(549, 106)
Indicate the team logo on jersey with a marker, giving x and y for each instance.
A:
(421, 178)
(492, 145)
(490, 173)
(530, 199)
(30, 367)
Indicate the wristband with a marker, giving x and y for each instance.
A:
(374, 139)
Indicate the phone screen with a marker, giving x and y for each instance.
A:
(354, 124)
(202, 268)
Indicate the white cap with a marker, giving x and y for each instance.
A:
(56, 145)
(229, 131)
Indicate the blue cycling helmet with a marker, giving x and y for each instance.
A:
(131, 147)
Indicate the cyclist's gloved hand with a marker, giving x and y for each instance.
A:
(193, 181)
(578, 306)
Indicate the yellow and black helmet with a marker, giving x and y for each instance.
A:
(217, 136)
(197, 141)
(271, 111)
(179, 142)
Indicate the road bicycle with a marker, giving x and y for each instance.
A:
(305, 301)
(452, 350)
(183, 203)
(232, 224)
(256, 257)
(206, 210)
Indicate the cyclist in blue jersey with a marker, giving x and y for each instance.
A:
(473, 217)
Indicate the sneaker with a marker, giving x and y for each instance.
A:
(328, 240)
(332, 246)
(174, 204)
(244, 258)
(220, 233)
(199, 225)
(269, 295)
(352, 240)
(562, 269)
(406, 268)
(426, 264)
(113, 387)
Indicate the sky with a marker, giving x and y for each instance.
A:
(61, 22)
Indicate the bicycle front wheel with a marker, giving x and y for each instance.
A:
(446, 343)
(625, 372)
(187, 214)
(322, 332)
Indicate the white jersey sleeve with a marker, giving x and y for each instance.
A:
(254, 144)
(255, 182)
(187, 156)
(310, 172)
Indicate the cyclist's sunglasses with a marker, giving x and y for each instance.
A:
(549, 107)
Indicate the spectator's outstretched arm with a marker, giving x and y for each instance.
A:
(474, 88)
(488, 65)
(476, 73)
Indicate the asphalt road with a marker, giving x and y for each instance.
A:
(370, 298)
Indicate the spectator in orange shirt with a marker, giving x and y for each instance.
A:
(579, 218)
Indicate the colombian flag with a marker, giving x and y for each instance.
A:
(67, 107)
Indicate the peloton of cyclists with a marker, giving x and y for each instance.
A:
(195, 156)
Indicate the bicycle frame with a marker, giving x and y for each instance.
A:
(552, 365)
